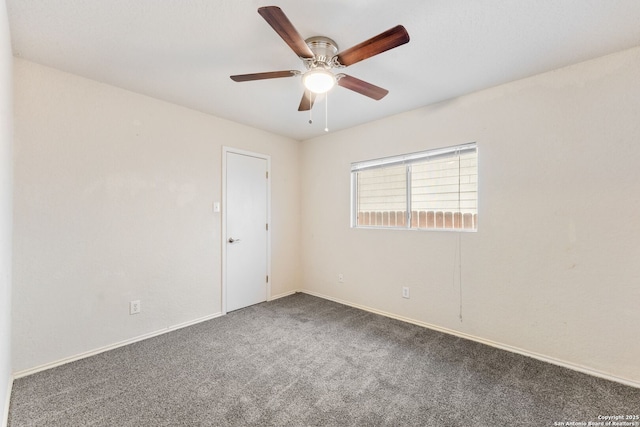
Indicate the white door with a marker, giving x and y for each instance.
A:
(246, 237)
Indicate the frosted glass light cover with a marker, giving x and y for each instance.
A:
(319, 81)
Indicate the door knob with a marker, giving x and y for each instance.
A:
(232, 240)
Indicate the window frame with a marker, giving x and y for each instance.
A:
(408, 160)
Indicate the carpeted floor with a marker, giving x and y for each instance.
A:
(305, 361)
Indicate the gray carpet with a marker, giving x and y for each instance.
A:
(305, 361)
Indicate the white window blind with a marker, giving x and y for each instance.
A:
(435, 189)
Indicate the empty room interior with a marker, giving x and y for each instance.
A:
(131, 289)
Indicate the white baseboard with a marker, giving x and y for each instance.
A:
(286, 294)
(7, 401)
(44, 367)
(541, 357)
(90, 353)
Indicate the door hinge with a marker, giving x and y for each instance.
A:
(267, 226)
(267, 278)
(267, 174)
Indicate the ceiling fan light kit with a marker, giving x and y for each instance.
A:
(320, 55)
(319, 80)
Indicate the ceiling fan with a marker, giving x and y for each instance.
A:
(320, 55)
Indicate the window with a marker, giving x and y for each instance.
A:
(435, 189)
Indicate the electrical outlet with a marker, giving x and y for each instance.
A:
(340, 278)
(134, 307)
(405, 292)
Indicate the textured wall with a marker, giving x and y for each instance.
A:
(553, 268)
(113, 202)
(6, 188)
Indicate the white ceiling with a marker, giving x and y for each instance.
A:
(183, 51)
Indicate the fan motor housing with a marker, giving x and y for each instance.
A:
(324, 49)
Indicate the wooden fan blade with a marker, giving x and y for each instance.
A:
(362, 87)
(391, 38)
(285, 29)
(306, 103)
(262, 76)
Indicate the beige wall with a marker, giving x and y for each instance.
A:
(6, 188)
(553, 269)
(113, 194)
(113, 202)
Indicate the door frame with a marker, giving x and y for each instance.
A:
(226, 150)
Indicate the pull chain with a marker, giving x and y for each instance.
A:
(326, 112)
